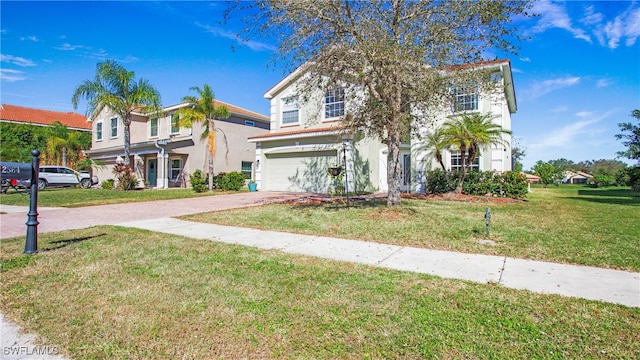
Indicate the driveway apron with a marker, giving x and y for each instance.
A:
(59, 219)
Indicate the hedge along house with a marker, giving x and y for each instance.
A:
(307, 138)
(164, 154)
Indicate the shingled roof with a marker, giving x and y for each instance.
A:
(19, 114)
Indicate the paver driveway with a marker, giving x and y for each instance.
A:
(59, 219)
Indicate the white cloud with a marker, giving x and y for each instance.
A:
(568, 135)
(68, 47)
(591, 17)
(30, 38)
(16, 60)
(623, 28)
(541, 88)
(604, 83)
(253, 45)
(11, 75)
(625, 25)
(555, 16)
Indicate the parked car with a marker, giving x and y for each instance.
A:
(51, 175)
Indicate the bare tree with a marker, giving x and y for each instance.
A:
(398, 58)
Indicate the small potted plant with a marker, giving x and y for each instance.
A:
(252, 185)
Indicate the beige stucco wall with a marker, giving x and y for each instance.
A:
(186, 145)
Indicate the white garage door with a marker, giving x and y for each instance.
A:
(305, 171)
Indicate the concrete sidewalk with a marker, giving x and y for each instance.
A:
(614, 286)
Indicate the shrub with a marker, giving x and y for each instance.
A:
(232, 181)
(600, 180)
(514, 184)
(510, 184)
(124, 176)
(633, 174)
(439, 181)
(480, 183)
(107, 184)
(199, 181)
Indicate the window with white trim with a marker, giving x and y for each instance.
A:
(334, 104)
(456, 162)
(246, 169)
(99, 131)
(114, 127)
(290, 110)
(175, 169)
(174, 125)
(153, 127)
(466, 98)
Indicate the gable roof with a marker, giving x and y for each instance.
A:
(234, 110)
(25, 115)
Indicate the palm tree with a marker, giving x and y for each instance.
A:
(435, 143)
(470, 132)
(203, 110)
(116, 89)
(63, 142)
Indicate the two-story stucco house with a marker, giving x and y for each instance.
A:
(164, 154)
(307, 137)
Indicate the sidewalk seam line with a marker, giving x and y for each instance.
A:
(389, 256)
(504, 264)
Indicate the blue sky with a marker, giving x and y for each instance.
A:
(576, 78)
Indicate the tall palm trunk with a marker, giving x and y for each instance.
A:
(211, 144)
(127, 141)
(463, 170)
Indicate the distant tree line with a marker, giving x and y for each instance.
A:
(58, 145)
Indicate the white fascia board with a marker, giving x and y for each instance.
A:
(286, 81)
(301, 148)
(295, 136)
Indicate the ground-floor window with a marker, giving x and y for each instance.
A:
(246, 169)
(175, 169)
(456, 162)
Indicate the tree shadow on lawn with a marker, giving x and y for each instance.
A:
(609, 192)
(613, 197)
(66, 242)
(338, 203)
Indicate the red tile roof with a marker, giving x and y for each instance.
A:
(43, 117)
(296, 132)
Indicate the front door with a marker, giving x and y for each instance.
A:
(405, 162)
(152, 172)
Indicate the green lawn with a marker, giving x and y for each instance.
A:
(66, 197)
(109, 292)
(568, 224)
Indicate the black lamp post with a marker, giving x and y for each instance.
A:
(31, 244)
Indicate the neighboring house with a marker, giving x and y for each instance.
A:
(25, 115)
(307, 137)
(163, 154)
(576, 177)
(532, 179)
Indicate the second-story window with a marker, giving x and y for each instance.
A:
(114, 127)
(175, 126)
(334, 104)
(290, 111)
(153, 127)
(99, 131)
(466, 98)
